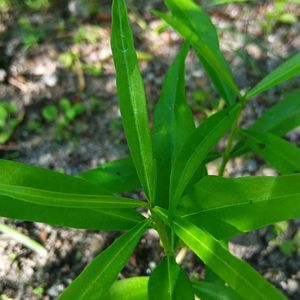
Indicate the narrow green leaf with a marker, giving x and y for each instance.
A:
(169, 282)
(279, 120)
(117, 176)
(209, 3)
(131, 95)
(286, 71)
(100, 274)
(229, 206)
(17, 174)
(280, 154)
(196, 149)
(47, 198)
(14, 173)
(199, 29)
(173, 123)
(242, 278)
(108, 219)
(135, 288)
(211, 291)
(23, 239)
(281, 117)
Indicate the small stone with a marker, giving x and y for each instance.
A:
(251, 165)
(3, 75)
(50, 80)
(55, 290)
(269, 172)
(292, 286)
(254, 51)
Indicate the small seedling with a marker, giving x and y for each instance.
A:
(31, 35)
(63, 115)
(10, 118)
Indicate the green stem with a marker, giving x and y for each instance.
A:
(163, 234)
(233, 132)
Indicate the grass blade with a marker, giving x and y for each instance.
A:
(23, 239)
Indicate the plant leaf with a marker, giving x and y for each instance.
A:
(17, 174)
(173, 123)
(280, 154)
(168, 281)
(209, 3)
(135, 288)
(286, 71)
(211, 291)
(281, 117)
(190, 21)
(47, 198)
(242, 278)
(229, 206)
(131, 95)
(196, 149)
(23, 239)
(14, 173)
(108, 219)
(279, 120)
(117, 176)
(101, 273)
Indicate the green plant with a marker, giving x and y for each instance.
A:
(184, 205)
(37, 4)
(63, 116)
(31, 35)
(10, 118)
(23, 239)
(279, 14)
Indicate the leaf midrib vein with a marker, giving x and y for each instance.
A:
(96, 278)
(254, 201)
(132, 96)
(220, 259)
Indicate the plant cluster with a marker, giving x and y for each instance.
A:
(184, 204)
(10, 117)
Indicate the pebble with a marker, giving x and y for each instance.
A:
(292, 286)
(3, 75)
(50, 80)
(268, 172)
(55, 290)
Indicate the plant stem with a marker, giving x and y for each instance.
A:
(163, 234)
(233, 132)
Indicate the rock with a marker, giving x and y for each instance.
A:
(50, 80)
(3, 75)
(292, 286)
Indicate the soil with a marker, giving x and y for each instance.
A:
(34, 78)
